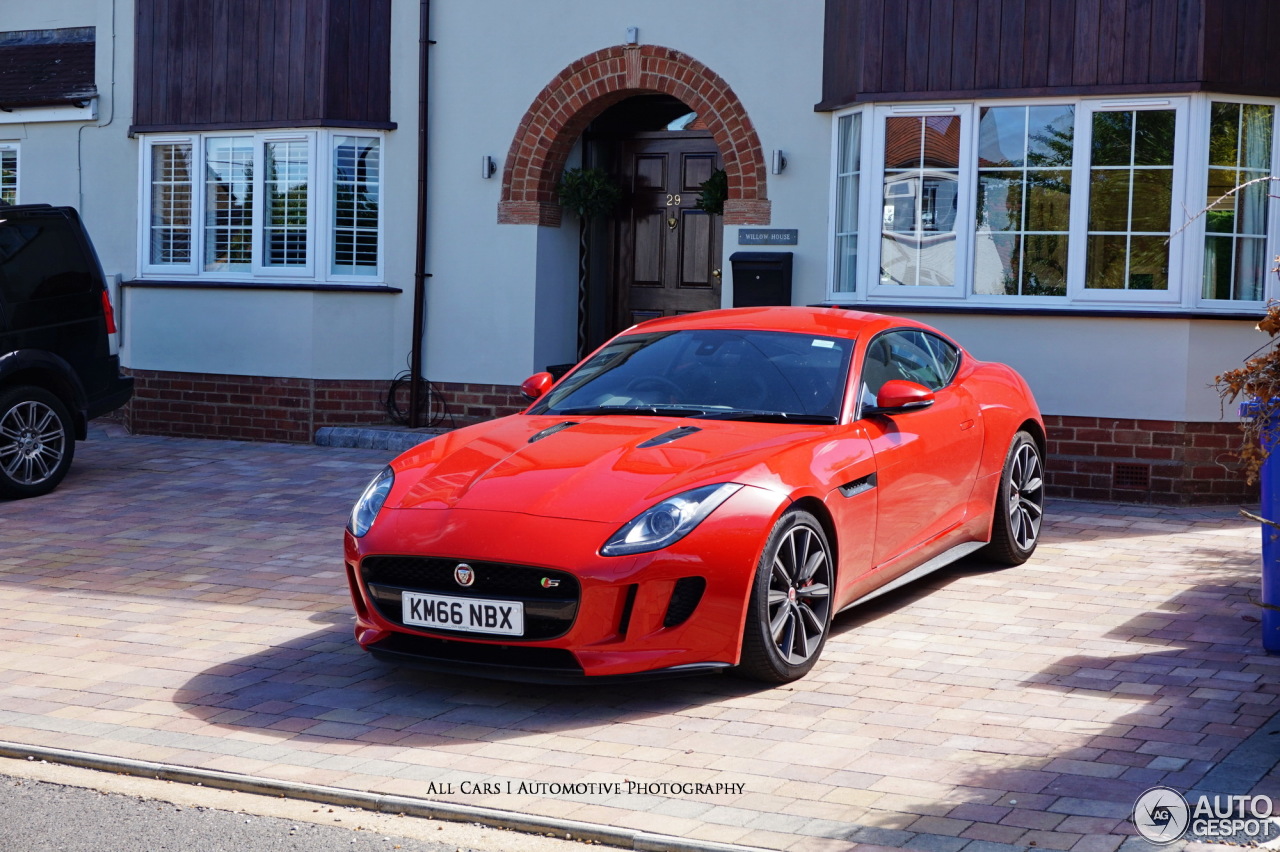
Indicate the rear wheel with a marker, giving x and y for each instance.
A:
(36, 442)
(1019, 509)
(789, 614)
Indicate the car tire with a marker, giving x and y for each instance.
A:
(789, 612)
(1019, 509)
(36, 441)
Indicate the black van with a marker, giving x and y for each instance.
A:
(57, 368)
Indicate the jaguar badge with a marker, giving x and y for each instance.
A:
(464, 574)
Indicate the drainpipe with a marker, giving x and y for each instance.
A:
(420, 275)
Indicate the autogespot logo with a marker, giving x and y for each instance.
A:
(1161, 815)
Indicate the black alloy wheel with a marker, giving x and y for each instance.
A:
(789, 614)
(1019, 509)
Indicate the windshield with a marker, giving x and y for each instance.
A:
(715, 373)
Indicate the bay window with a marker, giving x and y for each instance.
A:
(8, 174)
(1140, 202)
(292, 206)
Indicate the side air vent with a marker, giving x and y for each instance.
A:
(684, 600)
(551, 430)
(866, 483)
(667, 437)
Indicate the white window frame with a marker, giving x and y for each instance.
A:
(872, 227)
(1190, 182)
(861, 201)
(321, 222)
(1077, 257)
(15, 149)
(1202, 112)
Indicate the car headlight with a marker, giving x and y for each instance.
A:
(366, 508)
(668, 521)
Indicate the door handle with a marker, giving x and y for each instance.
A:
(715, 273)
(671, 223)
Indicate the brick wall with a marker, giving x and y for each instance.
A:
(265, 408)
(1144, 461)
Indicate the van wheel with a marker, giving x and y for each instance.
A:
(36, 442)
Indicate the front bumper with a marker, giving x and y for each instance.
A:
(679, 610)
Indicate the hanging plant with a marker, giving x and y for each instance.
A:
(590, 193)
(715, 190)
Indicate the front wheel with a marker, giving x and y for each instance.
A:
(789, 613)
(1019, 509)
(36, 442)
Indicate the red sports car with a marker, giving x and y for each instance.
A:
(703, 492)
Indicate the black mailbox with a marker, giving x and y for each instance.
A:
(761, 278)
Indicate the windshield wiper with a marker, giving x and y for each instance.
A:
(660, 410)
(772, 417)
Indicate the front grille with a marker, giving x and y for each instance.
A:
(550, 598)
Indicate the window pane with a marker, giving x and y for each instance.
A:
(848, 183)
(1002, 133)
(228, 206)
(1109, 200)
(1112, 138)
(1044, 265)
(1050, 136)
(8, 176)
(170, 221)
(1000, 201)
(357, 177)
(997, 264)
(902, 143)
(285, 183)
(1236, 218)
(1152, 199)
(1153, 138)
(1105, 269)
(1048, 200)
(1148, 263)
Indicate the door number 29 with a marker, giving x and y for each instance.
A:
(673, 200)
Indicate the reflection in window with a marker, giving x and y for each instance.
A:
(284, 230)
(848, 182)
(1130, 200)
(357, 181)
(1235, 261)
(8, 175)
(171, 189)
(228, 203)
(1024, 200)
(921, 188)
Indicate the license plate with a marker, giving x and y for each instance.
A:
(472, 615)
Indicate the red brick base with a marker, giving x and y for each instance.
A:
(1090, 458)
(266, 408)
(1145, 461)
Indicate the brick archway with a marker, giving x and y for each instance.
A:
(583, 90)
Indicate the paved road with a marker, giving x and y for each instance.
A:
(50, 808)
(183, 602)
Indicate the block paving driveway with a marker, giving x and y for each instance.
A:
(183, 602)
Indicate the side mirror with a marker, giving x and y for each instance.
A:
(899, 396)
(536, 385)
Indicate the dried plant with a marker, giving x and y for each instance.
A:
(1258, 381)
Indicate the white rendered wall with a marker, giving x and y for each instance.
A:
(502, 301)
(1148, 369)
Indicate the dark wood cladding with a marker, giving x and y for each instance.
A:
(211, 64)
(885, 50)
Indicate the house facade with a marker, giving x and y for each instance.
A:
(299, 200)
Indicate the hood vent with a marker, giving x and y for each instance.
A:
(551, 430)
(667, 437)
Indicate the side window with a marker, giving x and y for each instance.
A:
(908, 355)
(40, 258)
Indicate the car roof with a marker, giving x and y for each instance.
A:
(839, 322)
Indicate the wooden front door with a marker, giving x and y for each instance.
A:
(668, 251)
